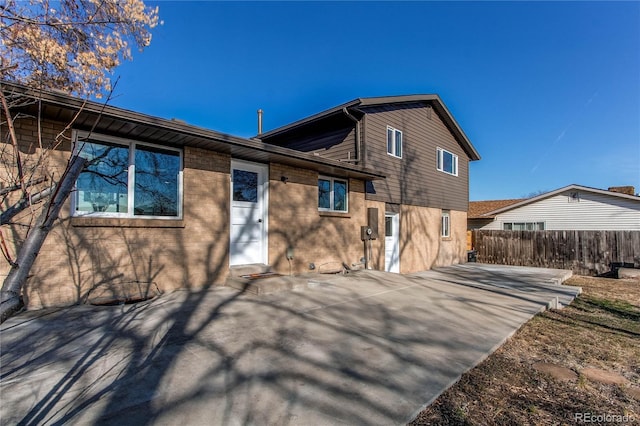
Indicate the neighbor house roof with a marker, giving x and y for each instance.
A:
(434, 100)
(105, 119)
(484, 211)
(479, 209)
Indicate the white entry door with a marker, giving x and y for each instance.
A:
(248, 213)
(392, 242)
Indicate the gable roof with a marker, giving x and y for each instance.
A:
(109, 120)
(479, 209)
(433, 99)
(523, 202)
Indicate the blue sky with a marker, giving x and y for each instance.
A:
(548, 92)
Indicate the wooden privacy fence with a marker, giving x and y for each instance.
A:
(584, 252)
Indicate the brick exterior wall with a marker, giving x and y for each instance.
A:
(92, 257)
(38, 163)
(325, 239)
(97, 257)
(422, 247)
(89, 257)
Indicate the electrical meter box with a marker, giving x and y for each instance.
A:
(365, 233)
(372, 221)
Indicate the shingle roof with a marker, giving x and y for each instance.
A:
(488, 209)
(477, 209)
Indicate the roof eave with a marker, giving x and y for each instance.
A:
(308, 120)
(211, 137)
(559, 191)
(453, 125)
(457, 130)
(442, 109)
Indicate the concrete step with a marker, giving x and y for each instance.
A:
(268, 284)
(249, 269)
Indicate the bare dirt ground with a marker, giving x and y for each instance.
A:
(563, 367)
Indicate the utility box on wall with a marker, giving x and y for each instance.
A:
(372, 222)
(366, 233)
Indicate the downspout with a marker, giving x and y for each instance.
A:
(357, 123)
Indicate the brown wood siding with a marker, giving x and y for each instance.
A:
(414, 179)
(332, 138)
(343, 150)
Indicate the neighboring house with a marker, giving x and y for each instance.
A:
(479, 211)
(424, 154)
(572, 207)
(172, 205)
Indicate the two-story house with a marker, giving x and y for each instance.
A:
(168, 205)
(416, 143)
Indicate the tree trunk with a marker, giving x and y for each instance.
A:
(10, 301)
(12, 211)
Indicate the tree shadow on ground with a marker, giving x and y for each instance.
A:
(363, 351)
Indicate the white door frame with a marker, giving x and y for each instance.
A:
(389, 265)
(263, 204)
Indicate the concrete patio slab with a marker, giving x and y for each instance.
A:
(366, 348)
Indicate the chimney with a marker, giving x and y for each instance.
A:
(259, 121)
(629, 190)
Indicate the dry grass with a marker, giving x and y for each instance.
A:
(600, 329)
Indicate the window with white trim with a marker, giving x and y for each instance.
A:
(445, 228)
(447, 162)
(333, 194)
(394, 142)
(523, 226)
(126, 178)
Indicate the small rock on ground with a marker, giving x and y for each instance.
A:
(556, 371)
(603, 376)
(634, 393)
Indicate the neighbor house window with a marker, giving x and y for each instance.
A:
(523, 226)
(128, 179)
(333, 194)
(447, 162)
(445, 229)
(394, 142)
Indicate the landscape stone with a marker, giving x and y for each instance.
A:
(634, 393)
(603, 376)
(556, 371)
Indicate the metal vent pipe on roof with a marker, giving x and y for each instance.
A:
(259, 121)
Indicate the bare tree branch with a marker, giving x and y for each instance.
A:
(71, 46)
(23, 204)
(5, 249)
(19, 186)
(10, 294)
(14, 142)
